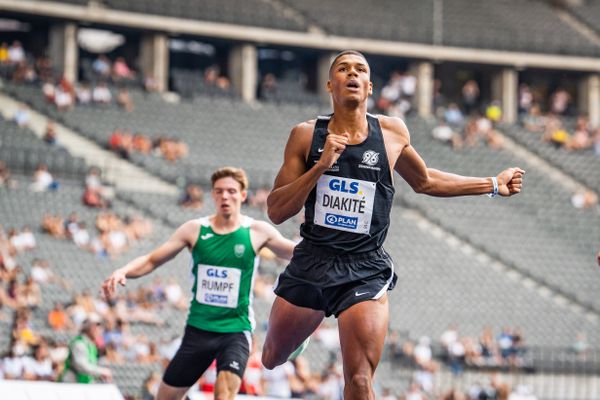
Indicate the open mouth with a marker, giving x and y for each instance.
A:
(353, 85)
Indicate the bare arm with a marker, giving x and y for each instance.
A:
(273, 240)
(145, 264)
(294, 182)
(434, 182)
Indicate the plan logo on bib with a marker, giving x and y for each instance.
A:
(369, 159)
(239, 250)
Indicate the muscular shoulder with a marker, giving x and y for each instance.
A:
(303, 131)
(395, 128)
(301, 138)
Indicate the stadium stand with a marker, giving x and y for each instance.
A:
(582, 165)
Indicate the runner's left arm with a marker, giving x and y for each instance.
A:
(434, 182)
(275, 241)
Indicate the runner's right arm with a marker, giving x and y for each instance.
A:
(145, 264)
(294, 181)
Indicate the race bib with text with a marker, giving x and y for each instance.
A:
(218, 286)
(344, 204)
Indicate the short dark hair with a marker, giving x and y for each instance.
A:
(344, 53)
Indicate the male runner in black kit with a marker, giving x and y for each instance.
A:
(340, 169)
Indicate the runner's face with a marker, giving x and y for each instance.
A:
(349, 79)
(228, 196)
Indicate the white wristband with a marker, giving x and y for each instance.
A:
(495, 183)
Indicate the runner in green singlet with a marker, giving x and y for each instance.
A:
(224, 249)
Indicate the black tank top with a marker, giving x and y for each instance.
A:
(349, 208)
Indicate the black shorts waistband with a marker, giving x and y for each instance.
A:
(328, 252)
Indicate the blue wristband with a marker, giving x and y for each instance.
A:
(495, 191)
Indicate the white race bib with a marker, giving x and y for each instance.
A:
(344, 204)
(218, 286)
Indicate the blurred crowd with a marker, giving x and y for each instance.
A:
(123, 142)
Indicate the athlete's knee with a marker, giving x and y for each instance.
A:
(225, 395)
(271, 356)
(360, 383)
(267, 359)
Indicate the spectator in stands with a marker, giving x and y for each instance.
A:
(58, 319)
(42, 179)
(22, 332)
(525, 99)
(150, 84)
(92, 197)
(268, 87)
(82, 237)
(386, 394)
(580, 345)
(444, 133)
(16, 53)
(124, 100)
(470, 96)
(331, 382)
(453, 115)
(22, 241)
(101, 66)
(22, 117)
(31, 293)
(522, 392)
(193, 197)
(49, 90)
(584, 199)
(534, 121)
(5, 179)
(415, 393)
(4, 55)
(101, 94)
(494, 112)
(50, 134)
(39, 367)
(64, 95)
(83, 94)
(560, 101)
(96, 193)
(81, 365)
(581, 139)
(12, 365)
(439, 100)
(141, 143)
(121, 71)
(43, 274)
(171, 149)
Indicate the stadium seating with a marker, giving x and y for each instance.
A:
(22, 151)
(245, 12)
(582, 165)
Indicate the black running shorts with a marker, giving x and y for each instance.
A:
(318, 279)
(198, 350)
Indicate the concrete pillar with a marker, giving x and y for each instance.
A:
(424, 71)
(323, 75)
(505, 91)
(154, 59)
(243, 71)
(589, 98)
(63, 49)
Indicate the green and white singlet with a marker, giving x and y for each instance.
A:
(223, 270)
